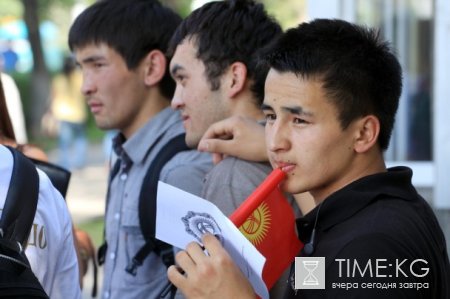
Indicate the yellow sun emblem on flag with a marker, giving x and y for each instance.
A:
(257, 224)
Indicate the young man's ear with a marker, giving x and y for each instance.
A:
(368, 129)
(236, 79)
(154, 67)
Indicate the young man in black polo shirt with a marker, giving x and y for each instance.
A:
(331, 96)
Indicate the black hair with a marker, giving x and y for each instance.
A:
(229, 31)
(360, 72)
(6, 127)
(132, 28)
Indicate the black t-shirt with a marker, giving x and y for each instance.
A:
(380, 239)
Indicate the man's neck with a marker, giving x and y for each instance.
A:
(246, 106)
(363, 165)
(154, 104)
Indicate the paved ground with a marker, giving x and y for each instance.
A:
(86, 197)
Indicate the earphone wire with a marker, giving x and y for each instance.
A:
(317, 215)
(291, 278)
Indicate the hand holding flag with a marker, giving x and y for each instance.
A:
(268, 221)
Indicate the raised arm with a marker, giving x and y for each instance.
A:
(235, 136)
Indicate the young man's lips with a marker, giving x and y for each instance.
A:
(185, 120)
(95, 107)
(286, 167)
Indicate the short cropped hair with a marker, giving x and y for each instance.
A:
(226, 32)
(132, 28)
(360, 72)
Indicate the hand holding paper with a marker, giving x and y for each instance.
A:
(180, 224)
(209, 269)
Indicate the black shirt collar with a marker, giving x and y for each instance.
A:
(117, 145)
(346, 202)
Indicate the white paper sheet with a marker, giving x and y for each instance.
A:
(182, 217)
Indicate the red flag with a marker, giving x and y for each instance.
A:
(268, 221)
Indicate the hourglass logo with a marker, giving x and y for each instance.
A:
(309, 272)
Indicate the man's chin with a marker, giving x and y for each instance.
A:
(104, 126)
(192, 142)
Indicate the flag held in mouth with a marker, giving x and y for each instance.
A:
(267, 220)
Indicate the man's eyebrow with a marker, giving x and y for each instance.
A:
(174, 70)
(265, 107)
(91, 59)
(296, 110)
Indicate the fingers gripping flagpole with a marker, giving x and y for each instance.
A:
(270, 220)
(257, 197)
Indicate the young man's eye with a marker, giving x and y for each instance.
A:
(270, 116)
(179, 78)
(299, 121)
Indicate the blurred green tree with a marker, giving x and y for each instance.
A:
(40, 77)
(33, 12)
(183, 7)
(288, 12)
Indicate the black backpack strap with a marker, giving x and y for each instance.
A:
(59, 176)
(16, 221)
(101, 253)
(16, 278)
(147, 206)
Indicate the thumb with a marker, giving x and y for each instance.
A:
(217, 158)
(218, 146)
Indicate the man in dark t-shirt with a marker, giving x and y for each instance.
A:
(380, 239)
